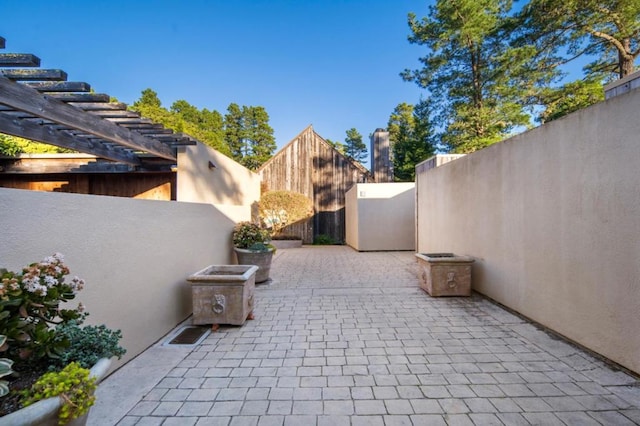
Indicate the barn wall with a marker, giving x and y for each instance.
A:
(310, 166)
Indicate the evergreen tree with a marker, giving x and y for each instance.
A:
(249, 135)
(203, 125)
(478, 81)
(354, 147)
(411, 137)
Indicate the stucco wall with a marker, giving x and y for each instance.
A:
(231, 187)
(552, 217)
(381, 216)
(133, 254)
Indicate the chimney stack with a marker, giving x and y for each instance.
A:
(381, 165)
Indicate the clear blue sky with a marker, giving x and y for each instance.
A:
(330, 63)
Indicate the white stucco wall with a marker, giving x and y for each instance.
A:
(381, 216)
(552, 217)
(134, 254)
(231, 187)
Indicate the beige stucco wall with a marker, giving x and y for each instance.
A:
(381, 216)
(133, 254)
(231, 187)
(552, 217)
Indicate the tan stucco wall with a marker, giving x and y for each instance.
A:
(231, 187)
(552, 217)
(133, 254)
(381, 216)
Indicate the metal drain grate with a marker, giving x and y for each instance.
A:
(189, 336)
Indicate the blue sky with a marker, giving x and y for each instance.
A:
(330, 63)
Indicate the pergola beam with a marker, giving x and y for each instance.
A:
(21, 97)
(48, 135)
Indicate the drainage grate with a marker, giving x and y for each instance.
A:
(189, 336)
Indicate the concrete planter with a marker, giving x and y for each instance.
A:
(445, 274)
(262, 259)
(223, 294)
(45, 412)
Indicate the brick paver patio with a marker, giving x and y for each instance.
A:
(348, 338)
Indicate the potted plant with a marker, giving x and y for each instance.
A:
(279, 210)
(47, 349)
(252, 245)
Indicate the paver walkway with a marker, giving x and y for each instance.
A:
(348, 338)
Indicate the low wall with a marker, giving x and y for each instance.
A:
(552, 217)
(381, 216)
(133, 254)
(207, 176)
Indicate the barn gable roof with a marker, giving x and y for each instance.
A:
(309, 129)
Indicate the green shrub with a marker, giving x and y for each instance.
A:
(279, 209)
(87, 344)
(73, 384)
(250, 236)
(323, 240)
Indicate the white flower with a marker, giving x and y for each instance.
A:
(77, 284)
(50, 281)
(59, 257)
(32, 285)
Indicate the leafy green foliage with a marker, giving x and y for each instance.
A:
(337, 145)
(87, 344)
(354, 147)
(279, 209)
(73, 384)
(323, 240)
(249, 135)
(5, 368)
(13, 146)
(476, 79)
(30, 301)
(571, 97)
(203, 125)
(411, 137)
(251, 236)
(608, 30)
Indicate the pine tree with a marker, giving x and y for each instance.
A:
(355, 148)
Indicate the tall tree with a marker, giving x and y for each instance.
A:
(354, 146)
(249, 135)
(471, 72)
(411, 137)
(203, 125)
(608, 30)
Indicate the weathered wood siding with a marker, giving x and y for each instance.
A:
(310, 166)
(155, 186)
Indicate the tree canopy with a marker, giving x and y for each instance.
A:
(411, 137)
(243, 133)
(354, 147)
(489, 71)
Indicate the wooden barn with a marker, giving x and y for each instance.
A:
(311, 166)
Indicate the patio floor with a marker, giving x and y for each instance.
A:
(348, 338)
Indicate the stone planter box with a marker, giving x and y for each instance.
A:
(286, 244)
(223, 294)
(445, 274)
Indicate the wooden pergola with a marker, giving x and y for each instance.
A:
(41, 105)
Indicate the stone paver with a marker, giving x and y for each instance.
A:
(348, 338)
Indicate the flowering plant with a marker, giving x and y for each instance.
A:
(250, 236)
(39, 333)
(30, 305)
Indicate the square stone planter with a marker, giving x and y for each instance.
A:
(445, 274)
(223, 294)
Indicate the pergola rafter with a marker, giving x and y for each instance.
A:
(41, 105)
